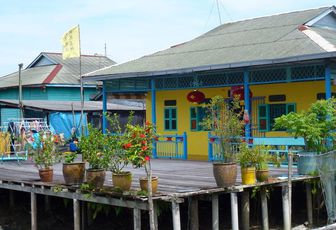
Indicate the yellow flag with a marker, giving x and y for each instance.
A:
(71, 43)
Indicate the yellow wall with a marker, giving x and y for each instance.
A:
(303, 94)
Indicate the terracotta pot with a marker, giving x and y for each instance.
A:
(95, 177)
(262, 175)
(73, 173)
(144, 183)
(225, 174)
(248, 175)
(122, 180)
(46, 174)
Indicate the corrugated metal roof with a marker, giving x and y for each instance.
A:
(266, 38)
(63, 106)
(67, 74)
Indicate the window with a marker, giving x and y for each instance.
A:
(197, 114)
(268, 112)
(170, 118)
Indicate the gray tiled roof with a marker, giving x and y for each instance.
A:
(67, 74)
(265, 38)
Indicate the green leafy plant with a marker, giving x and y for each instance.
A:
(246, 156)
(92, 147)
(265, 157)
(69, 157)
(223, 119)
(316, 126)
(45, 149)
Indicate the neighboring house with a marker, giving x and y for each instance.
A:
(51, 78)
(286, 61)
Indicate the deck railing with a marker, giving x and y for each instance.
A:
(171, 147)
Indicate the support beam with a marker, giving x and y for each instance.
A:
(247, 103)
(264, 209)
(215, 212)
(285, 208)
(137, 219)
(245, 210)
(327, 82)
(194, 223)
(234, 211)
(309, 204)
(47, 203)
(33, 211)
(155, 208)
(176, 216)
(104, 107)
(153, 109)
(76, 211)
(11, 199)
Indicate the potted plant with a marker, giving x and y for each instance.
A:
(316, 126)
(92, 149)
(117, 153)
(73, 172)
(44, 150)
(247, 160)
(223, 119)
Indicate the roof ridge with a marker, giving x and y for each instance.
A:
(82, 55)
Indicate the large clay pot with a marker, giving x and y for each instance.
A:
(95, 177)
(144, 183)
(225, 174)
(248, 175)
(46, 174)
(262, 175)
(307, 163)
(73, 173)
(122, 180)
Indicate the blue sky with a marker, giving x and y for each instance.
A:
(130, 28)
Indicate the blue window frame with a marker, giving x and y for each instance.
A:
(268, 112)
(170, 119)
(197, 114)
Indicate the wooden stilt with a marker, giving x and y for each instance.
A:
(33, 211)
(137, 219)
(309, 204)
(176, 215)
(245, 210)
(76, 210)
(155, 208)
(194, 223)
(234, 211)
(88, 214)
(215, 212)
(11, 199)
(285, 207)
(83, 215)
(264, 209)
(46, 203)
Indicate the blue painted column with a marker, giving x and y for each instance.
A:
(247, 103)
(104, 107)
(153, 107)
(327, 82)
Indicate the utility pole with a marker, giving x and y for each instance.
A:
(20, 92)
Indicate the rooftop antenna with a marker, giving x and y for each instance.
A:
(219, 14)
(105, 50)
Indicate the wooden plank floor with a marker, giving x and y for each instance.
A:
(175, 176)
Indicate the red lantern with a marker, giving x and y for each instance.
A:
(196, 96)
(169, 138)
(239, 90)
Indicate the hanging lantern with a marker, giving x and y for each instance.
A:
(238, 91)
(196, 96)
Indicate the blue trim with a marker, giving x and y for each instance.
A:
(327, 82)
(104, 108)
(71, 86)
(153, 100)
(210, 154)
(247, 102)
(185, 147)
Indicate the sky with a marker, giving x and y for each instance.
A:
(129, 28)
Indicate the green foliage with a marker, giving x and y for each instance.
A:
(98, 208)
(316, 125)
(45, 151)
(246, 156)
(69, 157)
(264, 157)
(224, 121)
(92, 147)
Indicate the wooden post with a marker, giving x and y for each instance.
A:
(194, 224)
(245, 208)
(176, 216)
(11, 199)
(264, 209)
(46, 203)
(89, 214)
(155, 209)
(215, 212)
(76, 210)
(285, 207)
(33, 211)
(309, 204)
(137, 219)
(234, 211)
